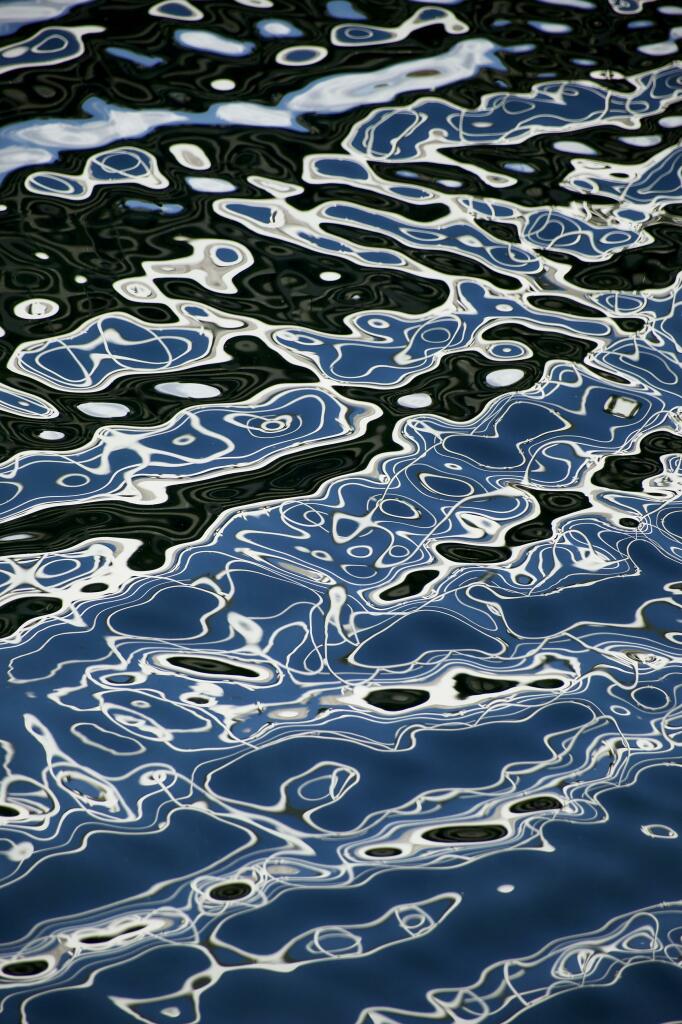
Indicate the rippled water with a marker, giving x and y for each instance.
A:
(341, 512)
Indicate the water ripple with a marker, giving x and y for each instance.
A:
(340, 512)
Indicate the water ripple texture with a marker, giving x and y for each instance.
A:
(340, 511)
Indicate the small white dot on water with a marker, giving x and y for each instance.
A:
(276, 29)
(51, 435)
(506, 888)
(138, 290)
(190, 156)
(200, 184)
(19, 852)
(576, 148)
(104, 410)
(284, 714)
(180, 389)
(665, 48)
(418, 400)
(503, 378)
(640, 141)
(41, 255)
(606, 74)
(36, 309)
(330, 275)
(80, 278)
(222, 84)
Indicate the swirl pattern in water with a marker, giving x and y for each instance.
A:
(341, 512)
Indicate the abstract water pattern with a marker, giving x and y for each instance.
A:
(341, 511)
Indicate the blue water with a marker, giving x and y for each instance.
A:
(341, 512)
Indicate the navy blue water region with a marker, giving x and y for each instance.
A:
(341, 512)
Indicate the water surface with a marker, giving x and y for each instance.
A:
(340, 511)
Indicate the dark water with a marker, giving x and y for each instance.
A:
(341, 512)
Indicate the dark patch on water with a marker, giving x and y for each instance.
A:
(397, 700)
